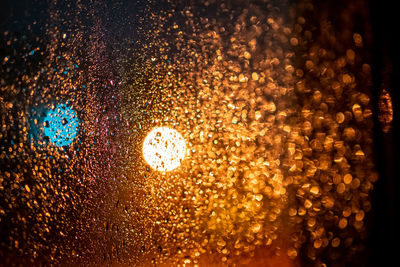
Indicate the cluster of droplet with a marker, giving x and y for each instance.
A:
(278, 121)
(53, 143)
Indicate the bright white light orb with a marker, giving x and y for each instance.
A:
(164, 149)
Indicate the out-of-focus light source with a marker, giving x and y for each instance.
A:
(385, 111)
(61, 125)
(164, 149)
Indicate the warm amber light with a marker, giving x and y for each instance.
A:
(164, 149)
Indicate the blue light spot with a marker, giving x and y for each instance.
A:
(61, 125)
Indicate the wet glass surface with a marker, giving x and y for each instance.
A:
(197, 133)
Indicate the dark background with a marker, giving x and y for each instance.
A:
(384, 237)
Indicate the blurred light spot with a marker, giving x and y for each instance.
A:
(385, 111)
(164, 149)
(61, 125)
